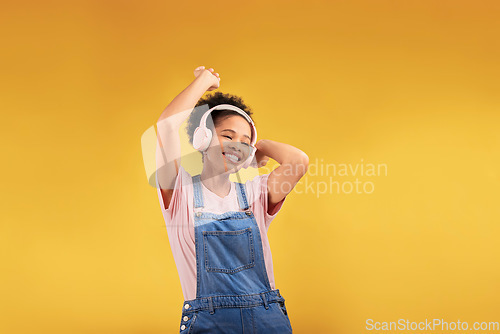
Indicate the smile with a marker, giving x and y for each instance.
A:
(231, 157)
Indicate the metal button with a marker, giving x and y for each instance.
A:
(248, 213)
(187, 306)
(198, 214)
(185, 318)
(183, 327)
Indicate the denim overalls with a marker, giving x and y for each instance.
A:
(233, 294)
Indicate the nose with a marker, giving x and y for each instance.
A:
(234, 146)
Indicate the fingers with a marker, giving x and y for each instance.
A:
(199, 68)
(214, 73)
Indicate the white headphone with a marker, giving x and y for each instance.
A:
(203, 136)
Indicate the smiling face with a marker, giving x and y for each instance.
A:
(231, 146)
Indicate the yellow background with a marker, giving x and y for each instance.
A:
(410, 84)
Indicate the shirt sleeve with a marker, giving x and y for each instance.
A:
(179, 196)
(259, 195)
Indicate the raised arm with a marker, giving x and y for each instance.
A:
(168, 156)
(293, 165)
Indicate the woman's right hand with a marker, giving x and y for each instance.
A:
(210, 75)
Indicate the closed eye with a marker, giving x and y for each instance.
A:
(246, 144)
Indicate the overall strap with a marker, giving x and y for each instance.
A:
(242, 197)
(198, 193)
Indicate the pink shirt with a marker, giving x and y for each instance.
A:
(180, 223)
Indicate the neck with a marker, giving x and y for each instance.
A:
(216, 182)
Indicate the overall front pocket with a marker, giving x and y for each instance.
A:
(228, 251)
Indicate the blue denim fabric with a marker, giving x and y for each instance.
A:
(233, 294)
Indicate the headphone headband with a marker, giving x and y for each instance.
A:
(203, 122)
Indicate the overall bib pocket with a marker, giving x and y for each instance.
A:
(228, 251)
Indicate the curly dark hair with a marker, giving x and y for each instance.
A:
(216, 115)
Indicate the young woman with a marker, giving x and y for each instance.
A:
(217, 229)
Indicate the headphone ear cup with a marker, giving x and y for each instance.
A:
(201, 139)
(208, 139)
(250, 158)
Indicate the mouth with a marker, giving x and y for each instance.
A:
(232, 157)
